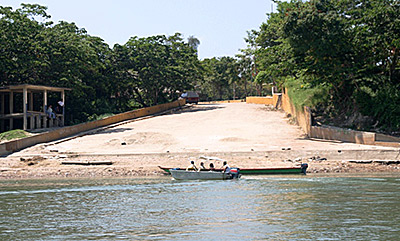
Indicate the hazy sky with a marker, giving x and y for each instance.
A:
(220, 25)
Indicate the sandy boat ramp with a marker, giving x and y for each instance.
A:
(247, 135)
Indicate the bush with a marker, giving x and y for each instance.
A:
(303, 94)
(95, 117)
(13, 134)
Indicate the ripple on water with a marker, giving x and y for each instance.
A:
(279, 207)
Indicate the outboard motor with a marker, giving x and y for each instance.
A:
(304, 167)
(234, 172)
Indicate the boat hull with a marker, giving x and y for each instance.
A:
(203, 175)
(271, 171)
(259, 171)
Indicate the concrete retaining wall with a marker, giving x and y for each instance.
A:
(303, 119)
(268, 100)
(386, 138)
(334, 133)
(222, 101)
(12, 146)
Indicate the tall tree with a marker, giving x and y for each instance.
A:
(194, 42)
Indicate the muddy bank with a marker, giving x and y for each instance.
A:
(50, 166)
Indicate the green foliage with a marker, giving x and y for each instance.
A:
(382, 105)
(142, 72)
(342, 56)
(159, 67)
(13, 134)
(303, 94)
(193, 42)
(263, 77)
(220, 78)
(99, 117)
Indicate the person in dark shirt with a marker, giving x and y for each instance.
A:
(202, 167)
(212, 168)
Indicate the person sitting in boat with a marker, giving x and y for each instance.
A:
(202, 167)
(225, 167)
(191, 167)
(212, 168)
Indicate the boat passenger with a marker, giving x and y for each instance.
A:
(202, 167)
(212, 168)
(225, 167)
(191, 167)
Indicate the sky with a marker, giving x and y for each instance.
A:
(220, 25)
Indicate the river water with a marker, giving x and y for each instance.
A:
(253, 208)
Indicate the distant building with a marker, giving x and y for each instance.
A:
(25, 107)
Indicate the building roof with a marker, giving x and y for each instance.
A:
(31, 87)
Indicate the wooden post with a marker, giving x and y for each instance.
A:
(25, 107)
(11, 102)
(44, 101)
(63, 107)
(11, 110)
(32, 116)
(38, 122)
(32, 120)
(2, 122)
(2, 104)
(44, 108)
(31, 101)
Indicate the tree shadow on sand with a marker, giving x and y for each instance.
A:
(111, 130)
(198, 108)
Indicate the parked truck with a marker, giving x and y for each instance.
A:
(191, 97)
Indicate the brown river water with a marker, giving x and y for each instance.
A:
(308, 207)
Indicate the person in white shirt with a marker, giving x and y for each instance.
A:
(51, 113)
(225, 167)
(191, 167)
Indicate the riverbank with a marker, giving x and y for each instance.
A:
(247, 136)
(50, 166)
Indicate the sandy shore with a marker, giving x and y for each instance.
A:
(243, 134)
(147, 165)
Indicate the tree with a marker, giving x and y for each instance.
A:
(142, 72)
(193, 42)
(36, 52)
(221, 75)
(158, 68)
(21, 59)
(343, 55)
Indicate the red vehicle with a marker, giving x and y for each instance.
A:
(191, 97)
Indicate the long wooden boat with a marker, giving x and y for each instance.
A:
(259, 171)
(194, 175)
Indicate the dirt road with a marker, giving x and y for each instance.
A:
(247, 134)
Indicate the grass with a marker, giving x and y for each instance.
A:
(13, 134)
(99, 117)
(302, 94)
